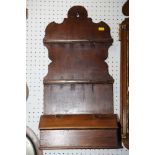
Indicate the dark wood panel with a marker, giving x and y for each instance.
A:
(78, 62)
(124, 77)
(78, 122)
(125, 8)
(64, 139)
(78, 48)
(77, 27)
(78, 99)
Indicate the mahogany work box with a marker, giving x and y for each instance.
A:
(78, 90)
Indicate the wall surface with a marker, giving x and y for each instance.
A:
(40, 14)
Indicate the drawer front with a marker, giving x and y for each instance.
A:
(68, 139)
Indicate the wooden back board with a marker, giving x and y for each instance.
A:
(78, 81)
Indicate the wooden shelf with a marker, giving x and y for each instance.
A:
(77, 82)
(76, 41)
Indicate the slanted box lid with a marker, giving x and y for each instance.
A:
(81, 121)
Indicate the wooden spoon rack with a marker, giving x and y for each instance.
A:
(78, 90)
